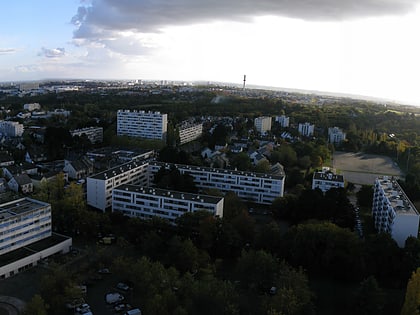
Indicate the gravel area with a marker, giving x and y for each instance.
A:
(360, 168)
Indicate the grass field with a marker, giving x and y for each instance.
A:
(360, 168)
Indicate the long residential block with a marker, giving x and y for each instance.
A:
(147, 202)
(249, 186)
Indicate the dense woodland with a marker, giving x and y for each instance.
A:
(207, 265)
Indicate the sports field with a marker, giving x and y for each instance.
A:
(360, 168)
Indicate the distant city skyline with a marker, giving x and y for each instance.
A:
(360, 47)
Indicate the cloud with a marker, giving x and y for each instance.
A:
(4, 51)
(151, 15)
(52, 53)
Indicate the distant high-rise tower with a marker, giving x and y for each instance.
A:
(244, 82)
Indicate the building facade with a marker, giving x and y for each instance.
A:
(94, 134)
(31, 106)
(327, 179)
(189, 132)
(148, 125)
(255, 187)
(262, 124)
(23, 222)
(100, 186)
(146, 202)
(11, 128)
(26, 235)
(336, 135)
(306, 129)
(393, 212)
(283, 121)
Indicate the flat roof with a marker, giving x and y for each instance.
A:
(329, 176)
(117, 170)
(170, 193)
(20, 206)
(219, 170)
(396, 196)
(30, 249)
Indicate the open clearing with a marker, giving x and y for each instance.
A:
(360, 168)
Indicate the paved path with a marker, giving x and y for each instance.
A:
(11, 305)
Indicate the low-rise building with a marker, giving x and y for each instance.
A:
(94, 134)
(147, 202)
(21, 183)
(31, 106)
(327, 179)
(393, 212)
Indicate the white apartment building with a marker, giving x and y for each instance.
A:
(283, 121)
(100, 186)
(23, 223)
(94, 134)
(262, 124)
(327, 179)
(393, 212)
(31, 106)
(306, 129)
(189, 132)
(11, 128)
(147, 202)
(148, 125)
(336, 135)
(255, 187)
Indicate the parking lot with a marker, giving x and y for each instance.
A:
(26, 284)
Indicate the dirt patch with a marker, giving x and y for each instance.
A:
(360, 168)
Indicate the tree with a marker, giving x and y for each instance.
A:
(263, 167)
(369, 298)
(412, 297)
(241, 161)
(324, 248)
(365, 196)
(36, 306)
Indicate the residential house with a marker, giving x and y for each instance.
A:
(21, 183)
(78, 169)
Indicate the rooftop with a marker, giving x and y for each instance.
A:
(30, 249)
(20, 206)
(117, 170)
(170, 194)
(396, 196)
(219, 170)
(329, 176)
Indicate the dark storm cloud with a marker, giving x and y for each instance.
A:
(150, 15)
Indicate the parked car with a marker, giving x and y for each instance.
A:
(113, 297)
(122, 286)
(104, 271)
(83, 309)
(122, 307)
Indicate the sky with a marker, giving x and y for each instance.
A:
(362, 47)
